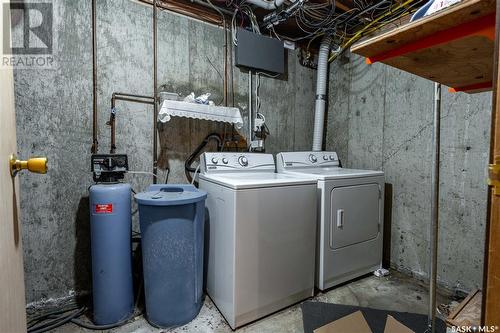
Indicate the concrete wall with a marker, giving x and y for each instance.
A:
(54, 110)
(381, 118)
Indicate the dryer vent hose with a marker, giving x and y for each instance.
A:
(321, 96)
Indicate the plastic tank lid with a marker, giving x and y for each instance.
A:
(170, 195)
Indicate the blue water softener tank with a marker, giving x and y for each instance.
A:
(172, 226)
(111, 226)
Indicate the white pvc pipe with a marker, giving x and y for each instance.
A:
(319, 110)
(266, 4)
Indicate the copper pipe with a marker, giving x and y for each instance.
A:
(117, 94)
(188, 10)
(95, 143)
(206, 5)
(135, 100)
(155, 92)
(112, 117)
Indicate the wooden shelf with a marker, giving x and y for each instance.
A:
(454, 46)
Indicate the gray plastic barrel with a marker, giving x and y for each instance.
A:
(111, 247)
(172, 226)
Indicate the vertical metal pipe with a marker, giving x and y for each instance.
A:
(231, 70)
(250, 106)
(155, 92)
(434, 207)
(224, 24)
(95, 147)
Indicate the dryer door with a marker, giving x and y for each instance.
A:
(354, 215)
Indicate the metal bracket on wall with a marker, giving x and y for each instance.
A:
(494, 175)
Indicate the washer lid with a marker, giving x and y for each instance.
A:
(246, 180)
(332, 172)
(170, 195)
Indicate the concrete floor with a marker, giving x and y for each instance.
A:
(396, 292)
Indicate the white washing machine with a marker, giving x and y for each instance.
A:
(350, 215)
(261, 235)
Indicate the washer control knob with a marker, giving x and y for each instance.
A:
(332, 158)
(224, 160)
(215, 160)
(313, 158)
(325, 157)
(243, 161)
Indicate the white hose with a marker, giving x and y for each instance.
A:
(195, 173)
(319, 109)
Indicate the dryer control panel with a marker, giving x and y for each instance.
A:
(306, 159)
(236, 161)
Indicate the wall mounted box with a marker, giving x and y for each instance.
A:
(259, 52)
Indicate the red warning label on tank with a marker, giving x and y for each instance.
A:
(103, 208)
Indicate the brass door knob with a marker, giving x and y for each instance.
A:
(36, 165)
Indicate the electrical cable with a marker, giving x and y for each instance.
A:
(56, 322)
(370, 27)
(91, 326)
(71, 307)
(257, 87)
(48, 320)
(53, 319)
(220, 75)
(366, 16)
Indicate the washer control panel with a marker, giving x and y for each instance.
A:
(304, 159)
(236, 161)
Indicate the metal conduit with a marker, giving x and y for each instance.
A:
(434, 229)
(155, 92)
(250, 110)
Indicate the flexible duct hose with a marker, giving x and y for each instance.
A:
(319, 110)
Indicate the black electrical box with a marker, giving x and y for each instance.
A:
(109, 167)
(259, 52)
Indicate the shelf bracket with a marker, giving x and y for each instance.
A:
(472, 87)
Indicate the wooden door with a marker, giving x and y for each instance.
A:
(12, 301)
(491, 295)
